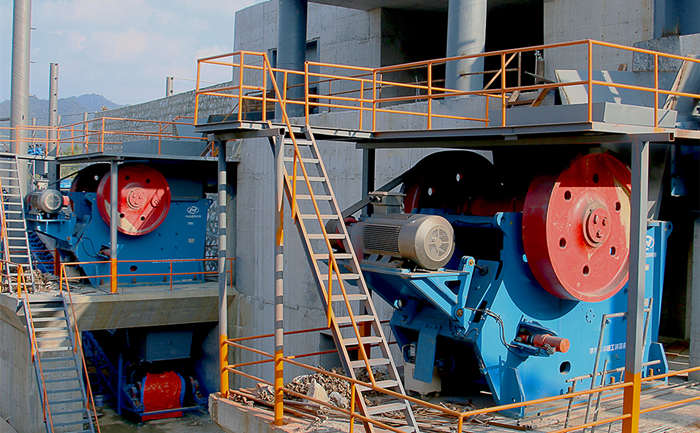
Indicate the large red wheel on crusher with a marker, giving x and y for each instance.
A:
(576, 229)
(144, 199)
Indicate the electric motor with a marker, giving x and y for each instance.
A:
(48, 200)
(427, 240)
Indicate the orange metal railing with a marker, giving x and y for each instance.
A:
(456, 417)
(94, 134)
(364, 89)
(65, 278)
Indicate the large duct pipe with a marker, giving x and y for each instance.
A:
(19, 99)
(291, 50)
(466, 34)
(52, 172)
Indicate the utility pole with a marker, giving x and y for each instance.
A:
(169, 86)
(19, 105)
(52, 144)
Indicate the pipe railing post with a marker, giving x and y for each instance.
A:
(114, 217)
(656, 90)
(306, 92)
(503, 89)
(430, 96)
(279, 280)
(221, 268)
(374, 101)
(590, 81)
(240, 87)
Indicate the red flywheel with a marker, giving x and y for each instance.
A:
(144, 199)
(576, 229)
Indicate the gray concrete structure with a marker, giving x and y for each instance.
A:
(291, 48)
(466, 34)
(19, 98)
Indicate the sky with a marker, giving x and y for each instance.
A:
(121, 49)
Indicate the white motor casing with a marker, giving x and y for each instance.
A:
(426, 240)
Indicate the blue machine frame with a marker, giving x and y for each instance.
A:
(483, 306)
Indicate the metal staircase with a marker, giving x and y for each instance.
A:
(58, 365)
(15, 245)
(353, 320)
(42, 259)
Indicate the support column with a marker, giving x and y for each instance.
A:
(113, 222)
(19, 99)
(52, 172)
(635, 293)
(466, 34)
(291, 50)
(695, 301)
(221, 268)
(368, 172)
(279, 280)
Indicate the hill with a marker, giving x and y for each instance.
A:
(70, 109)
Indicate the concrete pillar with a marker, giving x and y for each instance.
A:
(291, 49)
(52, 172)
(19, 105)
(466, 34)
(695, 302)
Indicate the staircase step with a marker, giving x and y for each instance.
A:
(65, 337)
(45, 310)
(54, 349)
(373, 362)
(362, 318)
(384, 408)
(351, 297)
(56, 370)
(338, 256)
(304, 160)
(67, 412)
(63, 379)
(370, 339)
(323, 216)
(300, 142)
(322, 197)
(49, 329)
(48, 319)
(72, 400)
(311, 179)
(63, 424)
(330, 236)
(347, 276)
(58, 391)
(386, 384)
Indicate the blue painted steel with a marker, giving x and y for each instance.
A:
(41, 258)
(83, 236)
(480, 309)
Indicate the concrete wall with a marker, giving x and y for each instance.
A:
(19, 401)
(619, 21)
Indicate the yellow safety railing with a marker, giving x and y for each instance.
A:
(458, 417)
(64, 278)
(369, 85)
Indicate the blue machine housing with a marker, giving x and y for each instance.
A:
(470, 318)
(82, 235)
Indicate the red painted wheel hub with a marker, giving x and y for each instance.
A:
(144, 199)
(576, 229)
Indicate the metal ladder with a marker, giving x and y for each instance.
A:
(354, 324)
(58, 365)
(14, 229)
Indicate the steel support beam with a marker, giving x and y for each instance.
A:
(113, 222)
(279, 280)
(635, 293)
(221, 268)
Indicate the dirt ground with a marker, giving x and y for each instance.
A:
(110, 422)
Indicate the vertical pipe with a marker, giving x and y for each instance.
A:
(635, 294)
(169, 86)
(291, 49)
(221, 268)
(19, 99)
(113, 219)
(466, 34)
(368, 174)
(430, 96)
(279, 280)
(590, 81)
(52, 146)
